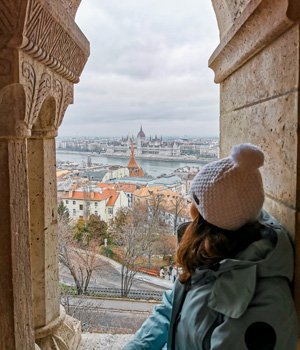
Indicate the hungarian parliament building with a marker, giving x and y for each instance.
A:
(144, 146)
(158, 147)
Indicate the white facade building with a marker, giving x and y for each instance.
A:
(103, 203)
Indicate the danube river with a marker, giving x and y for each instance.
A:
(151, 167)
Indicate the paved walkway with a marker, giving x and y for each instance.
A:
(109, 276)
(141, 276)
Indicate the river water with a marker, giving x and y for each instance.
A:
(151, 167)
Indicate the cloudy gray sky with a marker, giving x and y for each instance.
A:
(148, 66)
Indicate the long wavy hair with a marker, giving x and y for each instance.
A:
(205, 244)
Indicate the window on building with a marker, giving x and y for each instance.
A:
(67, 202)
(74, 202)
(96, 204)
(88, 203)
(80, 206)
(110, 211)
(96, 212)
(74, 212)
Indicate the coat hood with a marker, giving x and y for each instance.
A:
(272, 256)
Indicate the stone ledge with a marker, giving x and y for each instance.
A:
(94, 341)
(253, 30)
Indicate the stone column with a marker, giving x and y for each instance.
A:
(16, 325)
(42, 54)
(50, 321)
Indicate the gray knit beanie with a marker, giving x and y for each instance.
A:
(228, 193)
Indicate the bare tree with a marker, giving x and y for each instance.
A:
(178, 207)
(137, 231)
(80, 262)
(154, 225)
(128, 231)
(166, 245)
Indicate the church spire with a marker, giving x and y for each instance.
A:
(133, 167)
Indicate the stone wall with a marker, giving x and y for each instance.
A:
(257, 66)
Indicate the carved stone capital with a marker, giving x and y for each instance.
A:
(47, 32)
(54, 39)
(47, 97)
(42, 55)
(64, 333)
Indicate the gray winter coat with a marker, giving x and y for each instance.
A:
(242, 304)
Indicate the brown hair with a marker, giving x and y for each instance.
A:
(205, 244)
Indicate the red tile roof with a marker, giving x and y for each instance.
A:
(108, 194)
(112, 200)
(125, 187)
(105, 185)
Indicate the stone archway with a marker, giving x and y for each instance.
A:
(42, 55)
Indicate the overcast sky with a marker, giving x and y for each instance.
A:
(148, 66)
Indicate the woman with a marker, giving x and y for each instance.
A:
(237, 265)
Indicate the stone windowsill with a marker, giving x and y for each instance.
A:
(95, 341)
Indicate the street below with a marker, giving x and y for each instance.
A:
(111, 315)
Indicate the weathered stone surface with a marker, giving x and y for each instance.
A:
(286, 214)
(15, 278)
(227, 12)
(43, 228)
(92, 341)
(273, 126)
(257, 64)
(71, 6)
(269, 74)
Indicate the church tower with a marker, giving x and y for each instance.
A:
(134, 169)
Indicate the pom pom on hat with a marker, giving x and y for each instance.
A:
(247, 155)
(229, 193)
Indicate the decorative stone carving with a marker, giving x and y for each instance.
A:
(66, 100)
(48, 41)
(44, 90)
(29, 86)
(61, 334)
(9, 13)
(40, 85)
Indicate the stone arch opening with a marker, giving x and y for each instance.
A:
(258, 38)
